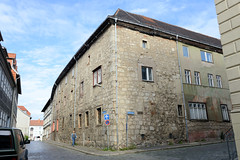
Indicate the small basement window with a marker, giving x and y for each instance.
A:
(144, 44)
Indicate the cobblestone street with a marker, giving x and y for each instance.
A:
(42, 151)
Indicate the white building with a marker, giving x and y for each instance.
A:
(36, 130)
(47, 121)
(23, 119)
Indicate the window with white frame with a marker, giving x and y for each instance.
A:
(219, 81)
(144, 44)
(197, 111)
(210, 80)
(197, 78)
(225, 114)
(97, 76)
(206, 56)
(66, 80)
(147, 73)
(185, 51)
(188, 76)
(73, 72)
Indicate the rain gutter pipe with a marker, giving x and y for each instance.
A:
(183, 97)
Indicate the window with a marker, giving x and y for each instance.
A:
(73, 72)
(197, 111)
(31, 129)
(180, 113)
(53, 126)
(66, 79)
(225, 115)
(188, 76)
(219, 81)
(197, 78)
(87, 119)
(80, 121)
(185, 51)
(99, 114)
(147, 73)
(210, 80)
(97, 76)
(81, 88)
(63, 123)
(207, 57)
(56, 128)
(144, 44)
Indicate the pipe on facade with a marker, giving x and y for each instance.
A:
(75, 86)
(115, 26)
(182, 91)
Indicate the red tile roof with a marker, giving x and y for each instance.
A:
(24, 109)
(36, 122)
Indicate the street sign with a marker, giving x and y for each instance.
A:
(104, 112)
(131, 113)
(106, 116)
(107, 122)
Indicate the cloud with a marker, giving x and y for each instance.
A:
(139, 10)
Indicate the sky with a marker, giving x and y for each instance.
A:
(45, 34)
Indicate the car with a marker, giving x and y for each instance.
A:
(12, 144)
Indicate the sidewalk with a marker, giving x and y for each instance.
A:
(98, 152)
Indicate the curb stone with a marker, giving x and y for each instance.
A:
(96, 152)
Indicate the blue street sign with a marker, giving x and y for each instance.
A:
(106, 116)
(131, 113)
(104, 112)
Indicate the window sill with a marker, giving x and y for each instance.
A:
(198, 120)
(147, 81)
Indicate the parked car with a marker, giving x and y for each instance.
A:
(12, 144)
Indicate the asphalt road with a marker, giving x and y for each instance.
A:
(44, 151)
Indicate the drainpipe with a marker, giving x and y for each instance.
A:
(116, 81)
(75, 86)
(183, 97)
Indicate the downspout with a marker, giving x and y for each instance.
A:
(75, 86)
(116, 81)
(182, 91)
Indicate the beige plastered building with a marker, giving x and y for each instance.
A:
(228, 13)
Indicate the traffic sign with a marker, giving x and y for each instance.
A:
(107, 122)
(106, 116)
(104, 112)
(131, 113)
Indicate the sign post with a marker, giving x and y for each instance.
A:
(128, 113)
(107, 122)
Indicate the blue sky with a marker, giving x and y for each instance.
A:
(45, 34)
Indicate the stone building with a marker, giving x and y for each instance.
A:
(10, 87)
(164, 82)
(228, 12)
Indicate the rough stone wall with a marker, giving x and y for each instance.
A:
(154, 103)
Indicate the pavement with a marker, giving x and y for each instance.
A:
(99, 152)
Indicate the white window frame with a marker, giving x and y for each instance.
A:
(210, 80)
(225, 115)
(97, 76)
(149, 73)
(198, 111)
(144, 44)
(66, 80)
(197, 78)
(187, 76)
(219, 81)
(206, 56)
(185, 54)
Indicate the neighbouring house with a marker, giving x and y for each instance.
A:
(23, 120)
(153, 82)
(36, 130)
(10, 87)
(228, 14)
(47, 121)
